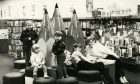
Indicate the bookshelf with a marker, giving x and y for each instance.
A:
(15, 28)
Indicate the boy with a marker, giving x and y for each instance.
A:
(38, 60)
(58, 50)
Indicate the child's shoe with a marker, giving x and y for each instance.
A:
(122, 80)
(46, 76)
(125, 79)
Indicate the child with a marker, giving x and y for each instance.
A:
(38, 60)
(58, 50)
(83, 63)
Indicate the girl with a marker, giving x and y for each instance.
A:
(38, 60)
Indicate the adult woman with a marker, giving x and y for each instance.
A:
(99, 51)
(83, 63)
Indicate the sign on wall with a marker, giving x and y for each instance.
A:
(89, 5)
(3, 33)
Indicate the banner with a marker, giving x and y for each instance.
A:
(89, 5)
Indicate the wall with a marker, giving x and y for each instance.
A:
(16, 7)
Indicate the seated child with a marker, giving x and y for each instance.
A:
(38, 60)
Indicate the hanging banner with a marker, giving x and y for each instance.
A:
(89, 5)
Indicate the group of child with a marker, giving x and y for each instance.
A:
(37, 58)
(82, 62)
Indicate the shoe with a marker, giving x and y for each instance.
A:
(125, 79)
(46, 76)
(66, 76)
(122, 80)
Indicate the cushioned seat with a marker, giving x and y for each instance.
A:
(52, 72)
(111, 70)
(19, 64)
(71, 71)
(70, 80)
(89, 75)
(98, 82)
(29, 72)
(14, 78)
(42, 80)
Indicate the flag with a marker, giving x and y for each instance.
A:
(43, 36)
(57, 22)
(75, 34)
(45, 39)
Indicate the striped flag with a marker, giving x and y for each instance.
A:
(75, 34)
(57, 22)
(43, 35)
(45, 39)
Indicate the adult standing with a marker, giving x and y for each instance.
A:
(28, 38)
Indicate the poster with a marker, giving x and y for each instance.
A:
(89, 5)
(3, 33)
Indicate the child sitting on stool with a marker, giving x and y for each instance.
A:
(58, 50)
(38, 60)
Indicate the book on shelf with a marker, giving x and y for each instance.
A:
(16, 23)
(10, 48)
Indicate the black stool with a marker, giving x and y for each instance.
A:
(52, 72)
(89, 75)
(71, 71)
(19, 64)
(14, 78)
(42, 80)
(70, 80)
(29, 72)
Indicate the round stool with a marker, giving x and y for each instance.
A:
(42, 80)
(70, 80)
(14, 78)
(71, 71)
(19, 64)
(89, 75)
(52, 72)
(29, 72)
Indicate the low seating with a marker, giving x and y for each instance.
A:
(71, 71)
(19, 64)
(98, 82)
(29, 72)
(69, 80)
(52, 72)
(42, 80)
(14, 78)
(111, 70)
(89, 75)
